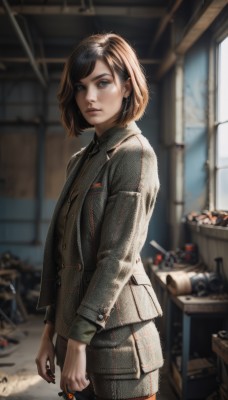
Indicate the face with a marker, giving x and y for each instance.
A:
(99, 97)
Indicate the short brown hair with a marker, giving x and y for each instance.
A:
(121, 59)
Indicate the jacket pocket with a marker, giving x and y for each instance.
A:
(148, 346)
(144, 296)
(120, 362)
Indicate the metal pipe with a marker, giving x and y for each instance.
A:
(24, 43)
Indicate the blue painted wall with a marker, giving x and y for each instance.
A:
(195, 125)
(150, 126)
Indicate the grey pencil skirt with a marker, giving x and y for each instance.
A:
(122, 363)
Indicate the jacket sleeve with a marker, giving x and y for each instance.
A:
(133, 188)
(50, 314)
(82, 330)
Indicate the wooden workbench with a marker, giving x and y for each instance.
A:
(191, 307)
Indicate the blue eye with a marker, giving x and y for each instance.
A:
(103, 83)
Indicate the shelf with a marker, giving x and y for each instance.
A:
(198, 387)
(212, 231)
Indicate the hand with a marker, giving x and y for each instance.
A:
(73, 375)
(46, 355)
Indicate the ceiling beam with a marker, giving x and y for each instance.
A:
(24, 43)
(112, 11)
(192, 32)
(61, 60)
(200, 25)
(166, 19)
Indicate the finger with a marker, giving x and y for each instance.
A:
(44, 376)
(80, 385)
(52, 365)
(85, 382)
(50, 375)
(62, 384)
(44, 371)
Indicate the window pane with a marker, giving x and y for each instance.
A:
(222, 145)
(222, 189)
(223, 81)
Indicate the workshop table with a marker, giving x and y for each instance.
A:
(190, 307)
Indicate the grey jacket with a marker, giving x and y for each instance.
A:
(106, 282)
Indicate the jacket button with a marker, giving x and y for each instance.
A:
(100, 317)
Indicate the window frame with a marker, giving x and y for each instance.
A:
(213, 122)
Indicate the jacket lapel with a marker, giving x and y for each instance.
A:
(116, 137)
(99, 161)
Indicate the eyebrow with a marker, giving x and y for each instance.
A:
(99, 76)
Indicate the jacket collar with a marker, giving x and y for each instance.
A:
(114, 136)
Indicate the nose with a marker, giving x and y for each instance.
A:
(91, 94)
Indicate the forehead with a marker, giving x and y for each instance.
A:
(100, 68)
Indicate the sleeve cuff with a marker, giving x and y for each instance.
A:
(50, 314)
(82, 330)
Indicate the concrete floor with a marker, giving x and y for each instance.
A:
(23, 383)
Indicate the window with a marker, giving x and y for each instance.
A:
(221, 172)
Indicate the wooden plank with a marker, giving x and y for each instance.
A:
(199, 305)
(113, 11)
(195, 30)
(220, 347)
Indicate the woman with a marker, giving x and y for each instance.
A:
(99, 299)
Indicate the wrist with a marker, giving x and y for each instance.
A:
(76, 344)
(48, 331)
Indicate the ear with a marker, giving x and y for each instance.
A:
(127, 88)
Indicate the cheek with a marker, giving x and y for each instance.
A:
(78, 101)
(113, 96)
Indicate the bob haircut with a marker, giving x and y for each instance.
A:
(121, 59)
